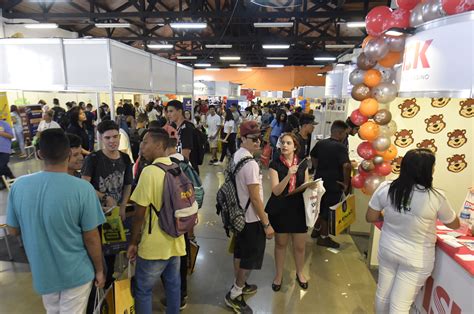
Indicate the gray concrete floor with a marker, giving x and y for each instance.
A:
(338, 283)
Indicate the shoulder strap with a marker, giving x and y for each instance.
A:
(240, 164)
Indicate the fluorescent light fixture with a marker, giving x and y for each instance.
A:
(277, 58)
(160, 46)
(355, 24)
(112, 25)
(188, 25)
(339, 46)
(320, 74)
(41, 25)
(273, 24)
(186, 57)
(213, 69)
(324, 58)
(202, 65)
(238, 65)
(315, 66)
(219, 46)
(282, 46)
(244, 70)
(229, 58)
(275, 65)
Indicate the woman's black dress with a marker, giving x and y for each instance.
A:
(286, 213)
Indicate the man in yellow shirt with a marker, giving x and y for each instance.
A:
(158, 253)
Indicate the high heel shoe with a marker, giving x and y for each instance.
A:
(276, 287)
(303, 285)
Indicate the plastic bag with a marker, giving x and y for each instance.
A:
(312, 203)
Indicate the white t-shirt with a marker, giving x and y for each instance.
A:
(412, 234)
(213, 124)
(153, 115)
(249, 174)
(124, 145)
(229, 127)
(255, 118)
(43, 125)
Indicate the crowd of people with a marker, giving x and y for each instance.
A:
(60, 217)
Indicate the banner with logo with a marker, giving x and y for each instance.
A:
(4, 108)
(342, 215)
(438, 61)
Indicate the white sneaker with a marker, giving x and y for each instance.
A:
(218, 163)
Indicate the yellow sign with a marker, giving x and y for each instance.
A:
(4, 108)
(342, 215)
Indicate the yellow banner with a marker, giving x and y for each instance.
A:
(342, 215)
(4, 108)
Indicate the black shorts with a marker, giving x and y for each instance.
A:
(329, 199)
(250, 246)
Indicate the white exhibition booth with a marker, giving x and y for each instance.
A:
(88, 65)
(216, 88)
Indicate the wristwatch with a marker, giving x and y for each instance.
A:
(266, 226)
(103, 199)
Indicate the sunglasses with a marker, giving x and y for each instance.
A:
(254, 139)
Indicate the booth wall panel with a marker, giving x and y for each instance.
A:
(185, 80)
(164, 75)
(124, 59)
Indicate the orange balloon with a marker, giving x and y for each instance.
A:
(369, 131)
(389, 154)
(368, 107)
(366, 40)
(390, 59)
(372, 78)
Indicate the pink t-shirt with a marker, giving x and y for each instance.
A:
(249, 174)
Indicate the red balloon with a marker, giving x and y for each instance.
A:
(374, 21)
(399, 18)
(363, 173)
(407, 4)
(366, 151)
(457, 6)
(357, 118)
(383, 169)
(358, 181)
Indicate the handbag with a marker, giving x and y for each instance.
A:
(342, 214)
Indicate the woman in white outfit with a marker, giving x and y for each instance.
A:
(410, 207)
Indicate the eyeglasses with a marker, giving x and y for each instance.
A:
(254, 139)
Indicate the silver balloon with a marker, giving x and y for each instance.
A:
(381, 143)
(367, 165)
(372, 183)
(432, 10)
(395, 43)
(384, 92)
(384, 131)
(392, 125)
(416, 15)
(388, 75)
(378, 160)
(376, 49)
(357, 77)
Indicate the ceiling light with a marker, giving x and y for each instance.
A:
(160, 46)
(244, 70)
(339, 46)
(324, 58)
(41, 25)
(238, 65)
(273, 24)
(315, 66)
(219, 46)
(188, 25)
(186, 57)
(320, 74)
(112, 25)
(202, 65)
(355, 24)
(275, 65)
(213, 69)
(275, 46)
(230, 58)
(277, 58)
(398, 31)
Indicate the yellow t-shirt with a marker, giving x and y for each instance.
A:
(158, 244)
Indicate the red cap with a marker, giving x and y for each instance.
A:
(249, 128)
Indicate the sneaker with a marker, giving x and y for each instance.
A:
(328, 242)
(218, 163)
(182, 306)
(238, 304)
(316, 233)
(212, 162)
(249, 289)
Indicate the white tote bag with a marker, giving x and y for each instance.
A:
(312, 203)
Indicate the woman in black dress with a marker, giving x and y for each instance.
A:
(287, 213)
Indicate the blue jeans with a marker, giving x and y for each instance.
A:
(147, 274)
(20, 139)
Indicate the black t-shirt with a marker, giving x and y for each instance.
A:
(89, 123)
(81, 132)
(186, 141)
(304, 146)
(108, 176)
(331, 156)
(58, 113)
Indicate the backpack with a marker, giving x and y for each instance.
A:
(199, 143)
(228, 205)
(178, 213)
(193, 177)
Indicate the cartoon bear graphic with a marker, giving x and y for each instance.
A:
(428, 144)
(409, 108)
(404, 138)
(435, 124)
(457, 138)
(457, 163)
(467, 108)
(396, 163)
(439, 102)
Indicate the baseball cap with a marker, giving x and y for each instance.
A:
(249, 128)
(306, 118)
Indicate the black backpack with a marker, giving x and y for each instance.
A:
(199, 143)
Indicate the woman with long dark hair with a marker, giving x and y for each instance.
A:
(77, 118)
(411, 206)
(228, 136)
